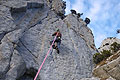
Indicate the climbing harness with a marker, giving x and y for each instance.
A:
(45, 57)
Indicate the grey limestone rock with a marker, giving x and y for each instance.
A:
(17, 67)
(111, 68)
(106, 43)
(26, 42)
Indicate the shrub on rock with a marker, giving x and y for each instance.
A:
(98, 57)
(115, 47)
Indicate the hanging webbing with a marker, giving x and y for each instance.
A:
(45, 57)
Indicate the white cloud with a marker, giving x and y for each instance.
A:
(99, 38)
(68, 4)
(118, 35)
(104, 16)
(78, 5)
(94, 11)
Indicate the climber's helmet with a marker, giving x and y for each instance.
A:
(58, 30)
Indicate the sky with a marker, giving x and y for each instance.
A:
(104, 16)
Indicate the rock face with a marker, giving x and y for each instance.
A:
(111, 66)
(107, 43)
(93, 78)
(26, 27)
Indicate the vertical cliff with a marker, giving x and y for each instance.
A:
(26, 27)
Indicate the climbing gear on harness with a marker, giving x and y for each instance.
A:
(53, 46)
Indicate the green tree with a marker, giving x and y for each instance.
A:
(106, 53)
(98, 57)
(115, 47)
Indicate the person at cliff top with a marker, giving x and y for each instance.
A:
(57, 41)
(87, 20)
(118, 31)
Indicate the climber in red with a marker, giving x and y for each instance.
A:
(57, 41)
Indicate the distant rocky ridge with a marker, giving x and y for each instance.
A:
(109, 68)
(106, 44)
(25, 32)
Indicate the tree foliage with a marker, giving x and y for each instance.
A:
(98, 57)
(115, 47)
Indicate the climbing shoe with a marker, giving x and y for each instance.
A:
(57, 50)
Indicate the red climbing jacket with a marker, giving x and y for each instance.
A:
(59, 34)
(58, 39)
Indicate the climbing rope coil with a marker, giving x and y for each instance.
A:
(45, 58)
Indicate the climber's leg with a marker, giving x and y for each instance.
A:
(57, 50)
(55, 44)
(51, 52)
(58, 44)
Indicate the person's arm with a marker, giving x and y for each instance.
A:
(54, 34)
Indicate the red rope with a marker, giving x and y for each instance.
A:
(45, 57)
